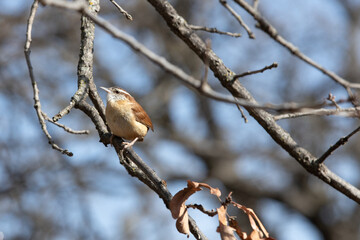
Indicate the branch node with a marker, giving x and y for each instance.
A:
(332, 148)
(123, 12)
(273, 65)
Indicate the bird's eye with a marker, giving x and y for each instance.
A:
(117, 91)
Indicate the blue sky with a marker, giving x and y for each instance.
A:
(109, 211)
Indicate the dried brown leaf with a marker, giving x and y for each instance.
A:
(177, 203)
(213, 191)
(233, 223)
(182, 223)
(254, 222)
(178, 208)
(226, 232)
(254, 235)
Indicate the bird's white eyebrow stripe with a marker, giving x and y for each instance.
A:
(123, 91)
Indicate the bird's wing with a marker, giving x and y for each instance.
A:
(141, 116)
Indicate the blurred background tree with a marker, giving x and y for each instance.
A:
(47, 195)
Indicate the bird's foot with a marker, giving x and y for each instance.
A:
(129, 144)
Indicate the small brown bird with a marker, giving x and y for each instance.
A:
(125, 117)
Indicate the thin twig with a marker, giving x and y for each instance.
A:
(331, 98)
(272, 32)
(273, 65)
(255, 4)
(95, 117)
(134, 164)
(80, 94)
(199, 207)
(348, 112)
(125, 13)
(214, 30)
(178, 26)
(37, 104)
(205, 89)
(67, 129)
(238, 18)
(340, 142)
(242, 112)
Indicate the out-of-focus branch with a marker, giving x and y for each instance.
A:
(199, 85)
(37, 104)
(348, 112)
(273, 65)
(273, 33)
(80, 94)
(340, 142)
(128, 158)
(214, 30)
(67, 129)
(123, 12)
(238, 18)
(179, 26)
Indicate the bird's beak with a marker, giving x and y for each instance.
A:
(105, 89)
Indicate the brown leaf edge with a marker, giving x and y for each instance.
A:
(178, 208)
(257, 233)
(226, 231)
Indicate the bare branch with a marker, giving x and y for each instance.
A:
(197, 84)
(272, 32)
(348, 112)
(238, 18)
(339, 143)
(200, 207)
(273, 65)
(214, 30)
(178, 25)
(80, 94)
(37, 104)
(123, 12)
(331, 98)
(242, 112)
(95, 117)
(255, 4)
(67, 129)
(129, 159)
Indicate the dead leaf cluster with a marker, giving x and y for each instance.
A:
(228, 226)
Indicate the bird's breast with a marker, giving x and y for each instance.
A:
(122, 122)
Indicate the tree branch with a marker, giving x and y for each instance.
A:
(273, 33)
(348, 112)
(178, 25)
(123, 12)
(214, 30)
(273, 65)
(238, 18)
(67, 129)
(129, 159)
(37, 104)
(340, 142)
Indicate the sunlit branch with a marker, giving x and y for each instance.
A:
(347, 112)
(273, 65)
(37, 104)
(339, 143)
(238, 18)
(67, 129)
(123, 12)
(273, 33)
(214, 30)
